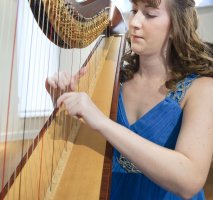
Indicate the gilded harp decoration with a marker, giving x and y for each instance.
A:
(72, 28)
(44, 153)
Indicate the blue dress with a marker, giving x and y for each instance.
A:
(160, 125)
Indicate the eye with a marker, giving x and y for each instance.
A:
(149, 16)
(133, 11)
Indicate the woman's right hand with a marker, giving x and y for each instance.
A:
(62, 82)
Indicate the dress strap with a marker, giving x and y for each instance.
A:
(181, 87)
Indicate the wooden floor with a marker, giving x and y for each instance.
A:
(12, 149)
(10, 158)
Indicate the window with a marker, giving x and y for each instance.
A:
(203, 3)
(37, 57)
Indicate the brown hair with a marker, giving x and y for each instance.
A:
(152, 3)
(188, 53)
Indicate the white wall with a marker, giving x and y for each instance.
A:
(7, 29)
(206, 23)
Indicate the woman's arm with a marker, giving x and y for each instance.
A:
(183, 170)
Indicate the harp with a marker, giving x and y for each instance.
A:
(46, 154)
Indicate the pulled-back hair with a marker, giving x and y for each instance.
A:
(188, 53)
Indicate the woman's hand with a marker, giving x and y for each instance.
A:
(79, 104)
(63, 82)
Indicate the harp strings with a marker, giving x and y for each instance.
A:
(2, 125)
(43, 162)
(76, 37)
(55, 147)
(17, 145)
(33, 121)
(27, 68)
(5, 163)
(29, 122)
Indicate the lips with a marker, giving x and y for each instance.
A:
(136, 36)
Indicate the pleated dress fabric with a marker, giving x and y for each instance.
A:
(160, 125)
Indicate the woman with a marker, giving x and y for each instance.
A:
(164, 136)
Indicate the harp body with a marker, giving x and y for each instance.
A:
(49, 154)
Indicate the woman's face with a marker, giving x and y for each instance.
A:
(149, 28)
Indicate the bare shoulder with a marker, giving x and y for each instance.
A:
(198, 105)
(205, 83)
(201, 88)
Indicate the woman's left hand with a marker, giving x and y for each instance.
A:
(80, 105)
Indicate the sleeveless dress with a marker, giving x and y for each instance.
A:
(160, 125)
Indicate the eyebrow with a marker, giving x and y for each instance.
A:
(150, 3)
(148, 6)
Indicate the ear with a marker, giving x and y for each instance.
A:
(170, 34)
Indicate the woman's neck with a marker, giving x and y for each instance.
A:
(153, 68)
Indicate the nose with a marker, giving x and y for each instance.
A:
(136, 20)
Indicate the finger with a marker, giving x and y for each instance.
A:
(67, 77)
(61, 84)
(76, 76)
(55, 78)
(64, 81)
(62, 98)
(72, 106)
(58, 81)
(73, 83)
(50, 84)
(83, 71)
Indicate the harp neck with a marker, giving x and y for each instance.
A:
(90, 7)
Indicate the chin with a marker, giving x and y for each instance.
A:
(137, 49)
